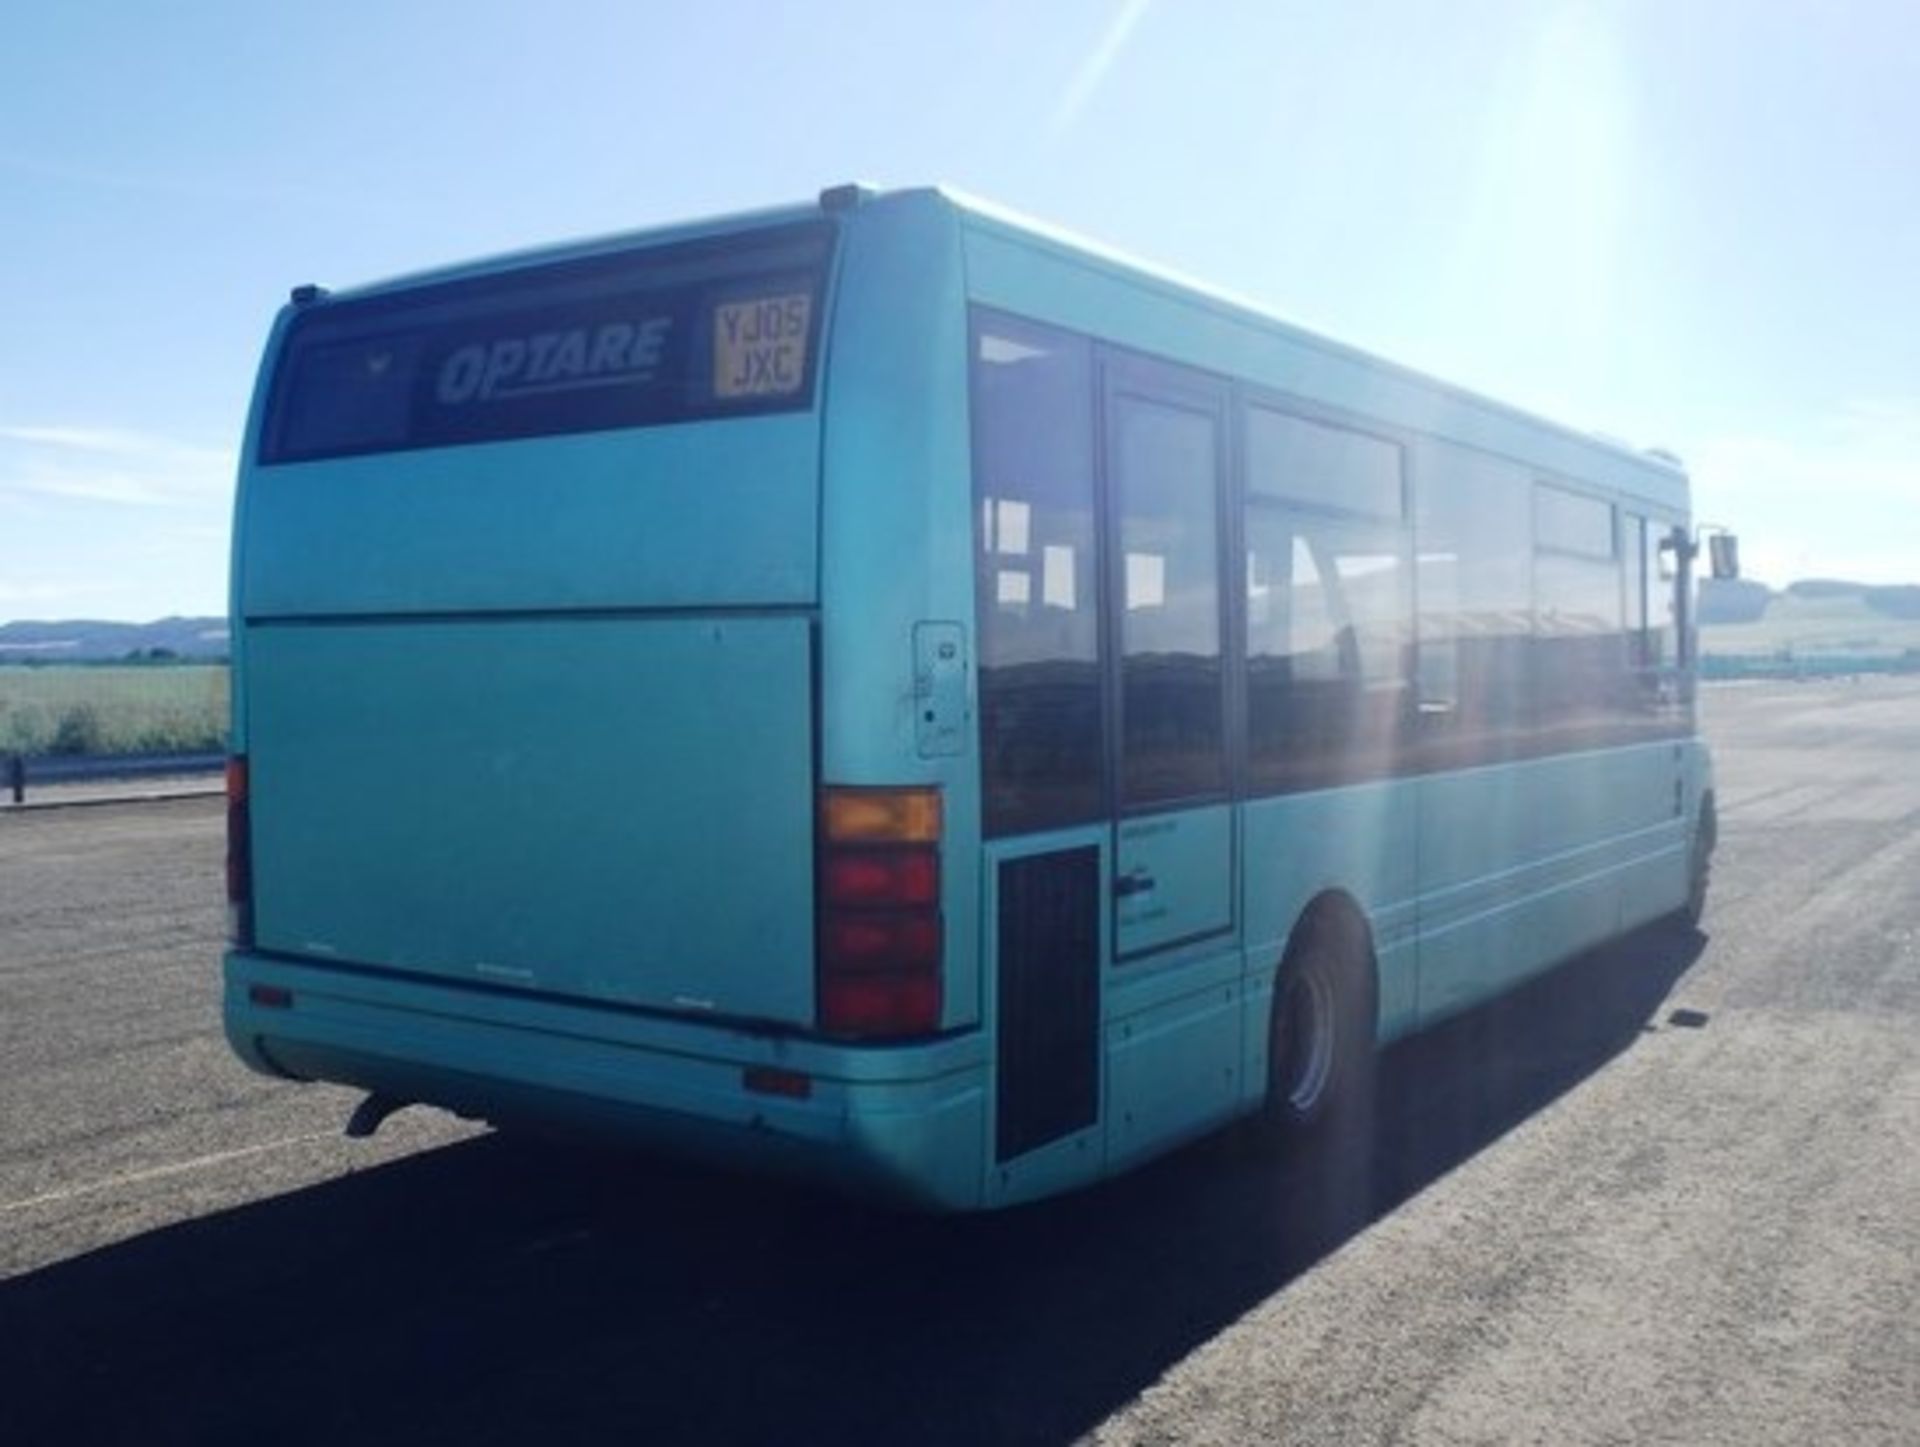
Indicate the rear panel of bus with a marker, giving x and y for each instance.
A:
(565, 683)
(528, 651)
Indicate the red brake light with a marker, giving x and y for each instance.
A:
(860, 943)
(880, 930)
(880, 1005)
(881, 878)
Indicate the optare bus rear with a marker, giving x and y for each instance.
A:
(876, 690)
(594, 766)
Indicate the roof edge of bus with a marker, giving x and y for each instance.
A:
(602, 244)
(992, 213)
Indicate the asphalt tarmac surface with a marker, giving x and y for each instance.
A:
(1668, 1193)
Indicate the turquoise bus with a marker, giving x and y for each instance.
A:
(880, 691)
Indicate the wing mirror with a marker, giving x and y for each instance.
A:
(1723, 554)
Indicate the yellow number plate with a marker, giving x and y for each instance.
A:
(760, 345)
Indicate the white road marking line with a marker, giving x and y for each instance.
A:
(133, 1178)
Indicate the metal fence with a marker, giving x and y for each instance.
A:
(22, 773)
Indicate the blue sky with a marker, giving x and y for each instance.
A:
(1691, 224)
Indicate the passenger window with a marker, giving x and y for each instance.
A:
(1633, 554)
(1165, 469)
(1663, 623)
(1580, 654)
(1313, 648)
(1474, 540)
(1310, 464)
(1041, 732)
(1328, 618)
(1571, 523)
(1329, 606)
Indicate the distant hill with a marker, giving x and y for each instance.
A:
(1899, 600)
(93, 641)
(1813, 619)
(1902, 601)
(1823, 588)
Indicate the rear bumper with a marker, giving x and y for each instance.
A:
(906, 1122)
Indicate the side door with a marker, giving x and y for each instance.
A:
(1165, 436)
(1172, 995)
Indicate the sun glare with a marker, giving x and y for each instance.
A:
(1542, 248)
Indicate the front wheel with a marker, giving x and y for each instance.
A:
(1700, 864)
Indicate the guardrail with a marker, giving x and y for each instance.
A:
(22, 770)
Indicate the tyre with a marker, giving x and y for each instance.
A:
(1320, 1033)
(1700, 864)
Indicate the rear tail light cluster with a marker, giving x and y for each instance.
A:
(239, 853)
(880, 927)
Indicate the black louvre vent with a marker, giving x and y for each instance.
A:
(1049, 962)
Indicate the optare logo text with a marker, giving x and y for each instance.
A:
(612, 354)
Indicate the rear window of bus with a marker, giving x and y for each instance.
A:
(716, 328)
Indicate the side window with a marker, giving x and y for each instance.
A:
(1316, 642)
(1041, 731)
(1328, 602)
(1671, 639)
(1165, 471)
(1649, 686)
(1474, 548)
(1328, 469)
(1663, 622)
(1636, 571)
(1579, 649)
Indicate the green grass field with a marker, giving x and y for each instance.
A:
(112, 709)
(1805, 627)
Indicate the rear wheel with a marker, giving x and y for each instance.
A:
(1320, 1033)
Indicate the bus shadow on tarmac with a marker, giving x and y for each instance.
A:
(504, 1290)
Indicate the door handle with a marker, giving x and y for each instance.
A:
(1137, 882)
